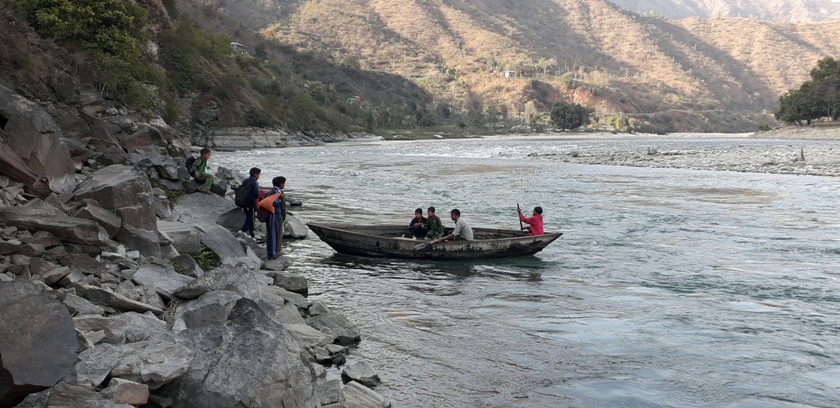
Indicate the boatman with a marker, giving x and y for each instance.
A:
(462, 231)
(535, 222)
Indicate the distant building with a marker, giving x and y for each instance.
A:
(510, 74)
(239, 48)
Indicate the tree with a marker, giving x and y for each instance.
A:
(815, 99)
(112, 26)
(570, 116)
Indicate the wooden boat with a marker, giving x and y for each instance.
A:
(388, 241)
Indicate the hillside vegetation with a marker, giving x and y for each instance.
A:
(180, 64)
(498, 60)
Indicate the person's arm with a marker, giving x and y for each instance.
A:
(527, 220)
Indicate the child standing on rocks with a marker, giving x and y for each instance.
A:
(275, 203)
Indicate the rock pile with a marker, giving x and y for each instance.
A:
(119, 288)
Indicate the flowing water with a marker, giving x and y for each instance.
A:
(670, 288)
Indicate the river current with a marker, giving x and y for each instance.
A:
(670, 287)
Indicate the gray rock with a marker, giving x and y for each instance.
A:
(54, 275)
(113, 155)
(108, 298)
(236, 279)
(188, 265)
(69, 396)
(39, 345)
(162, 278)
(95, 364)
(362, 372)
(64, 87)
(211, 307)
(278, 295)
(73, 230)
(232, 219)
(143, 139)
(125, 327)
(35, 138)
(106, 219)
(80, 306)
(185, 237)
(154, 362)
(122, 391)
(329, 392)
(295, 228)
(249, 358)
(278, 264)
(358, 396)
(293, 283)
(345, 331)
(224, 244)
(126, 192)
(308, 337)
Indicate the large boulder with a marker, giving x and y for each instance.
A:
(161, 278)
(38, 342)
(224, 244)
(185, 237)
(68, 229)
(127, 192)
(248, 360)
(69, 396)
(35, 138)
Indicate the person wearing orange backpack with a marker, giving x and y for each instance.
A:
(274, 203)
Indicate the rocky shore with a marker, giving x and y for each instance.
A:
(793, 153)
(256, 138)
(120, 286)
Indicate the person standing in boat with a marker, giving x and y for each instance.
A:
(417, 228)
(462, 231)
(535, 222)
(434, 224)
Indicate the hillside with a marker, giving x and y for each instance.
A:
(514, 58)
(761, 10)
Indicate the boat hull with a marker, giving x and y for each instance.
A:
(387, 241)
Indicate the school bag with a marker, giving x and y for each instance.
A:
(265, 205)
(189, 164)
(240, 195)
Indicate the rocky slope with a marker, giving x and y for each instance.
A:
(794, 11)
(121, 287)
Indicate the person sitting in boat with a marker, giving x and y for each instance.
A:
(434, 224)
(535, 222)
(417, 228)
(462, 231)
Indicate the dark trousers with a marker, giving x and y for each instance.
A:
(248, 226)
(418, 231)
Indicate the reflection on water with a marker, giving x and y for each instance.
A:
(670, 288)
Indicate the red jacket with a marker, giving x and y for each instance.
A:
(536, 223)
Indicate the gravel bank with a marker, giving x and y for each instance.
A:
(744, 154)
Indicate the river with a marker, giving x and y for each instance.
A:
(670, 288)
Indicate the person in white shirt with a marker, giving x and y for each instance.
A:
(462, 231)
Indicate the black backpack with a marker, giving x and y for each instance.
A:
(240, 196)
(190, 162)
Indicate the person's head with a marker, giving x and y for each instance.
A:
(278, 182)
(418, 213)
(205, 153)
(431, 211)
(255, 173)
(455, 214)
(537, 210)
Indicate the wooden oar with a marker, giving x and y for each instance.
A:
(518, 211)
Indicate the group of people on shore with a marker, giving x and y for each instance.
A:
(431, 227)
(272, 203)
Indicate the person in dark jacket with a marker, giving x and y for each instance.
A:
(417, 228)
(251, 200)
